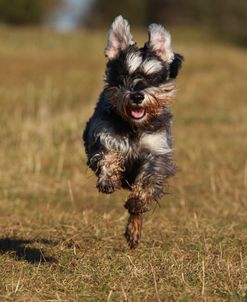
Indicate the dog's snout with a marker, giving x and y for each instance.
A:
(137, 97)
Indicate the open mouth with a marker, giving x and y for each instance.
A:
(137, 113)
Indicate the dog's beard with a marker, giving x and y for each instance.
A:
(155, 99)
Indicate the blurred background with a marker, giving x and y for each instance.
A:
(51, 73)
(225, 18)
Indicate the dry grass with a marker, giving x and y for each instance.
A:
(62, 241)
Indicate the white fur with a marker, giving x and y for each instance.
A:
(133, 61)
(160, 42)
(113, 144)
(155, 143)
(151, 66)
(119, 38)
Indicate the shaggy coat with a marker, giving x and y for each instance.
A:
(128, 139)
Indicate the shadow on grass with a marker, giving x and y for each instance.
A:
(19, 250)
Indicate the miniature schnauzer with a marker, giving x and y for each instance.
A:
(128, 139)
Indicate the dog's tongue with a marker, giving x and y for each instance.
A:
(137, 112)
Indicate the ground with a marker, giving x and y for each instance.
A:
(60, 240)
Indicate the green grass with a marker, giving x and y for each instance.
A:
(60, 240)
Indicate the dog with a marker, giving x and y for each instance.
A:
(128, 139)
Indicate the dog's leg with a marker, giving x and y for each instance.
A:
(133, 230)
(148, 187)
(110, 169)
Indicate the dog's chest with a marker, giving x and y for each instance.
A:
(155, 143)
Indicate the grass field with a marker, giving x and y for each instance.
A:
(60, 240)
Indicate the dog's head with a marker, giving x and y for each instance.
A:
(140, 81)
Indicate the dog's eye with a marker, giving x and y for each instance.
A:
(119, 80)
(138, 84)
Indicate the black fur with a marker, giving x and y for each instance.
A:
(117, 73)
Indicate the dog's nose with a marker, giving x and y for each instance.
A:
(137, 97)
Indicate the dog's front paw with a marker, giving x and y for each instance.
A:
(106, 185)
(136, 206)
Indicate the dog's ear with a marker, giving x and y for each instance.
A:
(176, 65)
(160, 42)
(119, 38)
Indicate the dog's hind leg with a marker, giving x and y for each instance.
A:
(136, 207)
(148, 187)
(133, 230)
